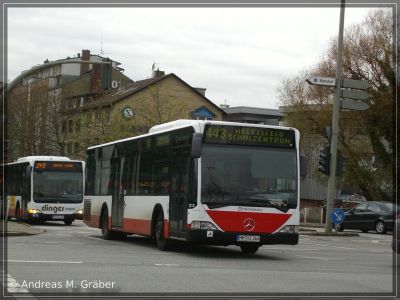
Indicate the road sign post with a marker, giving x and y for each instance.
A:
(337, 216)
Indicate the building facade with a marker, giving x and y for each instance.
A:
(131, 110)
(37, 101)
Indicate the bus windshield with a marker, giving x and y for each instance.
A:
(57, 186)
(248, 176)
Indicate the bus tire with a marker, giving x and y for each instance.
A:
(107, 233)
(161, 241)
(249, 248)
(18, 213)
(68, 222)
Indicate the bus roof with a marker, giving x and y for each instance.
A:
(198, 126)
(31, 159)
(43, 158)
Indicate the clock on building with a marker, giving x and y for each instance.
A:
(127, 112)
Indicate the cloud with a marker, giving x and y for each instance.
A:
(238, 54)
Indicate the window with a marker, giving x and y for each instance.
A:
(70, 126)
(145, 170)
(98, 118)
(361, 207)
(64, 127)
(374, 207)
(78, 125)
(105, 177)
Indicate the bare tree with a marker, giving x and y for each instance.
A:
(368, 55)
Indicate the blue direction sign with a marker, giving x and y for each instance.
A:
(338, 216)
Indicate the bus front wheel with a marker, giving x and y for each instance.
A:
(249, 248)
(68, 222)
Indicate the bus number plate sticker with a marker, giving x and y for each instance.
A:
(58, 217)
(248, 238)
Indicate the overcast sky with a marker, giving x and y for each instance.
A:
(240, 55)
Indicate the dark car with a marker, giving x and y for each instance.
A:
(371, 215)
(396, 235)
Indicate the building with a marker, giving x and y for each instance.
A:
(131, 110)
(37, 97)
(254, 115)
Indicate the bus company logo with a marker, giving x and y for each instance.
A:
(53, 209)
(249, 224)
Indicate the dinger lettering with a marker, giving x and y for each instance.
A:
(54, 209)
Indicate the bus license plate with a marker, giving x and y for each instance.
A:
(58, 217)
(248, 238)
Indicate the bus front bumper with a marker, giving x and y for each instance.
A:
(216, 237)
(49, 217)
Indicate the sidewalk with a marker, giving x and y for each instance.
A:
(319, 230)
(13, 228)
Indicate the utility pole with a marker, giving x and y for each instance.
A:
(331, 192)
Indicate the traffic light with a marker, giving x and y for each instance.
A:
(341, 164)
(324, 160)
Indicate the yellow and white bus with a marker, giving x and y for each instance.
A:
(43, 188)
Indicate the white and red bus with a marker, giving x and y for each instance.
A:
(43, 188)
(208, 182)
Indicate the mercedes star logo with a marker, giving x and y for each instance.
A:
(249, 224)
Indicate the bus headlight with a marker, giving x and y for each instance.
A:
(33, 211)
(202, 225)
(289, 229)
(79, 211)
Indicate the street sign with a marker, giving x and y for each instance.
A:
(355, 84)
(318, 80)
(353, 105)
(337, 216)
(355, 94)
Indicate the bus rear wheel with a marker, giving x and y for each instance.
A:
(18, 213)
(249, 248)
(107, 233)
(161, 241)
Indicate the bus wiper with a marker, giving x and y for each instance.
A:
(217, 204)
(279, 204)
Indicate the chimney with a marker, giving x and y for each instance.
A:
(85, 56)
(201, 91)
(158, 73)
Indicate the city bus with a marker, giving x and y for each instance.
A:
(205, 182)
(43, 188)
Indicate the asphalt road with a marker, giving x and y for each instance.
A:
(75, 259)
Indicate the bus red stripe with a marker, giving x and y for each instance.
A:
(137, 226)
(233, 221)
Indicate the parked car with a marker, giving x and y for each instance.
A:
(371, 215)
(396, 235)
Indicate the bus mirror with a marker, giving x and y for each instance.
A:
(303, 166)
(196, 144)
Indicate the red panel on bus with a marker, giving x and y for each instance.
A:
(234, 221)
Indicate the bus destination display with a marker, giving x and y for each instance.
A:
(71, 166)
(255, 136)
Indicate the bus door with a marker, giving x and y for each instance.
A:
(118, 203)
(178, 203)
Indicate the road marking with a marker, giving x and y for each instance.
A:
(38, 242)
(291, 249)
(44, 261)
(333, 246)
(320, 258)
(167, 265)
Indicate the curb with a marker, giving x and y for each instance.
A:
(338, 234)
(19, 229)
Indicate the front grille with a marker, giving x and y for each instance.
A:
(87, 207)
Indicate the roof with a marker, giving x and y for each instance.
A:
(253, 110)
(130, 89)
